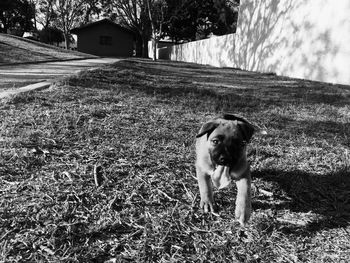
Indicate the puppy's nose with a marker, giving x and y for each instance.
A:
(222, 159)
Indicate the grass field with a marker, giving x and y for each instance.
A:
(18, 50)
(132, 126)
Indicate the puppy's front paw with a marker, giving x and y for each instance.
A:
(243, 212)
(207, 206)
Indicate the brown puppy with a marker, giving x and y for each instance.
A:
(221, 157)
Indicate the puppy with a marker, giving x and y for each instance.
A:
(220, 158)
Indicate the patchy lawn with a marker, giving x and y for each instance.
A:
(18, 50)
(131, 128)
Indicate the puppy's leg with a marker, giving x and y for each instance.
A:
(206, 191)
(243, 200)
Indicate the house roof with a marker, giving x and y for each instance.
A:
(103, 21)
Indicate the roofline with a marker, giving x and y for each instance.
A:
(105, 20)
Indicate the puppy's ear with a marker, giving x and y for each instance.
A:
(245, 126)
(246, 129)
(207, 128)
(232, 117)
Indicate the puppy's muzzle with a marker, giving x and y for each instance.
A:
(223, 161)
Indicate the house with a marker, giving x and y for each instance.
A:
(105, 38)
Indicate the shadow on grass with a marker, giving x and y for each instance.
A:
(176, 79)
(332, 131)
(325, 195)
(171, 91)
(329, 130)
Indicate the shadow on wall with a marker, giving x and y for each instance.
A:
(294, 38)
(256, 26)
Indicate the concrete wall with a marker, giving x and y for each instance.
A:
(215, 51)
(296, 38)
(89, 41)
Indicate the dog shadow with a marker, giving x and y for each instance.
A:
(324, 196)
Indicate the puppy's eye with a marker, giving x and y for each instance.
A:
(215, 141)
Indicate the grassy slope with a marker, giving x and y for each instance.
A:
(135, 122)
(18, 50)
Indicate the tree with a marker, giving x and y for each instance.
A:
(16, 15)
(225, 20)
(48, 11)
(145, 18)
(46, 14)
(157, 10)
(68, 15)
(133, 14)
(190, 20)
(90, 8)
(51, 35)
(180, 25)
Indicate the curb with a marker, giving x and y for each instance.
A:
(44, 84)
(45, 61)
(36, 86)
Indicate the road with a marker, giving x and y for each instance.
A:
(15, 76)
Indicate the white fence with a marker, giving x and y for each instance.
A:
(215, 51)
(295, 38)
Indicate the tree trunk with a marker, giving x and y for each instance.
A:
(145, 47)
(154, 46)
(66, 40)
(36, 29)
(141, 45)
(153, 31)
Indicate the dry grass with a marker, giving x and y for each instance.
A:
(18, 50)
(132, 126)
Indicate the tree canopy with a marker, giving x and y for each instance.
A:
(16, 16)
(179, 20)
(196, 19)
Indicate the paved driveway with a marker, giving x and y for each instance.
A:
(15, 76)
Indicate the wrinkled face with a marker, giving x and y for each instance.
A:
(226, 144)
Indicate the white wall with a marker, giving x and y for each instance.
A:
(215, 51)
(296, 38)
